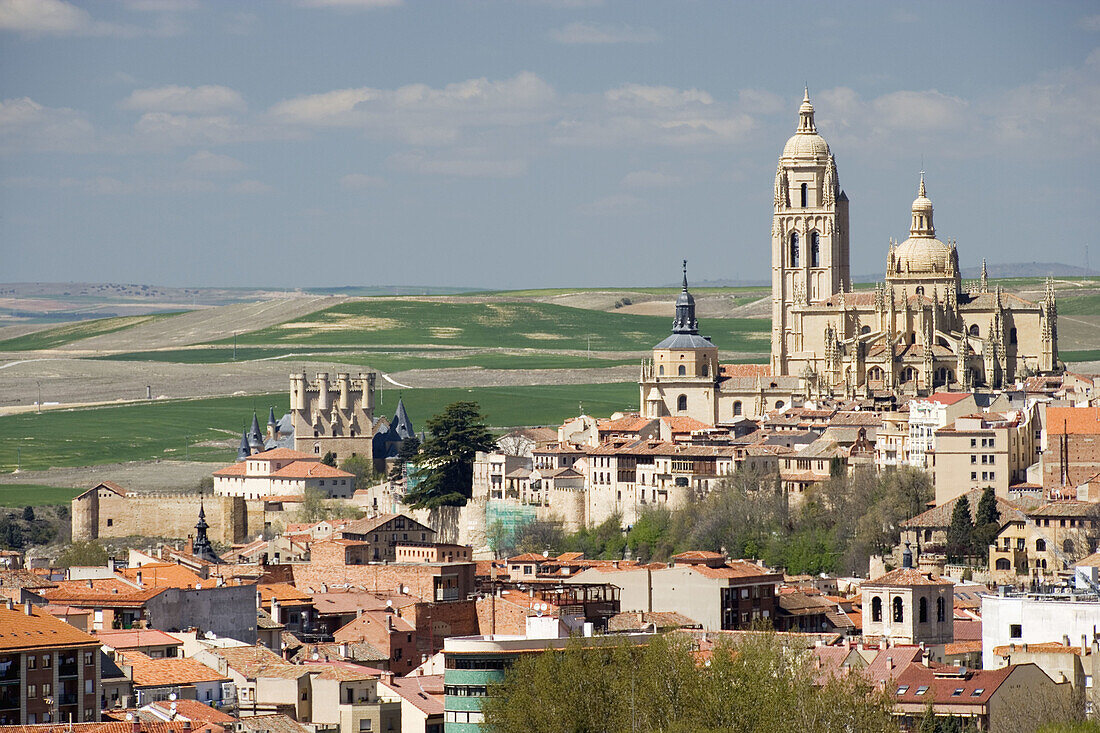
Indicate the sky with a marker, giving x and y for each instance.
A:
(526, 143)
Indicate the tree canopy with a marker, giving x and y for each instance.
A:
(661, 686)
(447, 457)
(960, 534)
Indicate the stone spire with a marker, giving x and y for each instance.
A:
(255, 437)
(806, 114)
(922, 213)
(984, 285)
(685, 321)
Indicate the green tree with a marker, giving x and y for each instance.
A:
(407, 453)
(987, 523)
(603, 685)
(86, 553)
(447, 457)
(316, 506)
(362, 468)
(540, 536)
(329, 459)
(28, 514)
(960, 534)
(11, 536)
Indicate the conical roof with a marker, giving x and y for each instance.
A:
(271, 417)
(244, 450)
(401, 423)
(255, 437)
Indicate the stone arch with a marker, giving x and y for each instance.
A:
(898, 610)
(681, 370)
(922, 610)
(682, 403)
(876, 609)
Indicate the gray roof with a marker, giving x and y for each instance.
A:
(685, 341)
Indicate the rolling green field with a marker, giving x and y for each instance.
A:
(1079, 305)
(507, 325)
(33, 495)
(173, 429)
(51, 338)
(388, 362)
(1086, 355)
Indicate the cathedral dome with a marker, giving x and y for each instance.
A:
(806, 143)
(922, 252)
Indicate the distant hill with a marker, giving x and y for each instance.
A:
(995, 270)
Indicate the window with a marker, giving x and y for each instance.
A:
(958, 691)
(1067, 546)
(32, 691)
(903, 689)
(1015, 631)
(32, 661)
(779, 404)
(1012, 335)
(876, 609)
(682, 403)
(737, 408)
(87, 658)
(661, 370)
(46, 689)
(681, 370)
(706, 369)
(805, 195)
(922, 689)
(922, 610)
(365, 724)
(1040, 545)
(793, 259)
(815, 250)
(977, 692)
(973, 329)
(941, 610)
(110, 522)
(899, 610)
(973, 475)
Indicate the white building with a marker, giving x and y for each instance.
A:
(1034, 619)
(928, 415)
(282, 472)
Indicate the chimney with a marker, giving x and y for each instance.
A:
(135, 726)
(139, 578)
(186, 724)
(11, 605)
(275, 609)
(89, 582)
(389, 621)
(27, 608)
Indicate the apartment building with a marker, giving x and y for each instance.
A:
(983, 449)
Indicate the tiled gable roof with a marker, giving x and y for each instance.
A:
(149, 672)
(18, 631)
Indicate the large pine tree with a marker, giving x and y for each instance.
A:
(447, 456)
(960, 535)
(987, 522)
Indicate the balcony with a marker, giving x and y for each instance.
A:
(67, 698)
(67, 670)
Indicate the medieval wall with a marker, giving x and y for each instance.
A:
(107, 514)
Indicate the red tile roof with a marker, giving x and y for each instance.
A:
(40, 630)
(136, 638)
(1080, 420)
(977, 687)
(948, 398)
(282, 454)
(905, 577)
(149, 672)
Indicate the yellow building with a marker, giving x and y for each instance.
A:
(917, 331)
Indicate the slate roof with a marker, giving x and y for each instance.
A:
(685, 341)
(940, 517)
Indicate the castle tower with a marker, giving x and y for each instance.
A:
(683, 376)
(809, 234)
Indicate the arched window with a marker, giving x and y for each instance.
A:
(973, 329)
(876, 609)
(779, 404)
(815, 250)
(681, 370)
(865, 329)
(1003, 564)
(706, 369)
(737, 409)
(899, 610)
(682, 403)
(1012, 335)
(941, 610)
(1067, 546)
(317, 448)
(922, 610)
(661, 370)
(1040, 545)
(805, 195)
(920, 290)
(875, 373)
(793, 259)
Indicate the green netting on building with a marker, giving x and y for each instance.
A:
(504, 519)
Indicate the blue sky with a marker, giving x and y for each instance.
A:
(526, 143)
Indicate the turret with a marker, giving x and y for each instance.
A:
(685, 321)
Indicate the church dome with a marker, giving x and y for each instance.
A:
(806, 143)
(922, 252)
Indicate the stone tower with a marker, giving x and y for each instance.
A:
(809, 233)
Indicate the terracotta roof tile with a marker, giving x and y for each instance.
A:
(149, 672)
(19, 631)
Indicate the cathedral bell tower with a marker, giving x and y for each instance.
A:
(809, 234)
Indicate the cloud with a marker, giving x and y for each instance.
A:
(60, 18)
(422, 115)
(361, 181)
(185, 100)
(922, 111)
(1090, 23)
(206, 162)
(650, 179)
(27, 126)
(619, 203)
(112, 186)
(593, 33)
(251, 187)
(640, 95)
(458, 167)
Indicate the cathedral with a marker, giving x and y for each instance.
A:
(915, 332)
